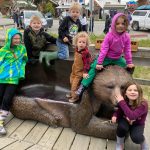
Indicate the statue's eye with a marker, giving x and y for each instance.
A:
(110, 86)
(122, 87)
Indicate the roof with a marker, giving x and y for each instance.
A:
(144, 7)
(63, 6)
(54, 2)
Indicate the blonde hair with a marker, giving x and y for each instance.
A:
(35, 18)
(75, 6)
(81, 35)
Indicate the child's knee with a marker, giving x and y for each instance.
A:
(137, 139)
(62, 56)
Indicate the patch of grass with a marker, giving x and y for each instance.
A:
(146, 92)
(144, 43)
(54, 34)
(142, 72)
(93, 38)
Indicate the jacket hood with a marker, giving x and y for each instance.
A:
(113, 24)
(9, 35)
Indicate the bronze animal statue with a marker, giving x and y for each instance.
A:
(46, 102)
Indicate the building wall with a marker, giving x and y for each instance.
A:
(143, 2)
(5, 6)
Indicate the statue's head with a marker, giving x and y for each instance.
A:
(109, 80)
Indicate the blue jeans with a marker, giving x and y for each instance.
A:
(63, 50)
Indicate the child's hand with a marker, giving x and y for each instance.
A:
(65, 39)
(99, 67)
(130, 121)
(118, 96)
(114, 119)
(85, 75)
(130, 66)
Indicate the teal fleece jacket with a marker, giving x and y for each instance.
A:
(12, 59)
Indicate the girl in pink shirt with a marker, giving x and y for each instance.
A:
(131, 115)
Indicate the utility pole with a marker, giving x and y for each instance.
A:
(91, 7)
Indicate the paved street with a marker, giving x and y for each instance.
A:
(98, 28)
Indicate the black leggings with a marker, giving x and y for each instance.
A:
(7, 92)
(136, 131)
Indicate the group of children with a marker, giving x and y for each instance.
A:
(132, 108)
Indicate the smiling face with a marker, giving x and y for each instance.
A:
(16, 40)
(81, 43)
(132, 93)
(36, 25)
(120, 25)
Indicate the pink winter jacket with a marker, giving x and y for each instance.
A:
(115, 44)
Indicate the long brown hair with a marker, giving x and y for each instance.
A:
(140, 98)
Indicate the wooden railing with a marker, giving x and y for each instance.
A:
(6, 26)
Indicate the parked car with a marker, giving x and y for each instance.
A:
(140, 19)
(49, 19)
(27, 14)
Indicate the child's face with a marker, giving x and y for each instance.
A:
(81, 43)
(120, 25)
(132, 92)
(36, 25)
(16, 40)
(74, 14)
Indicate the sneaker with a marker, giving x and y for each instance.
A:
(74, 99)
(2, 130)
(3, 117)
(144, 146)
(68, 95)
(119, 146)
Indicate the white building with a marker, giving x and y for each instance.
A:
(100, 7)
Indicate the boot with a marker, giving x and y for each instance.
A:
(68, 95)
(48, 56)
(120, 143)
(3, 115)
(80, 90)
(144, 146)
(74, 97)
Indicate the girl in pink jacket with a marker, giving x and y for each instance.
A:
(116, 42)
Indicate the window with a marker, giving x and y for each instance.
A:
(139, 13)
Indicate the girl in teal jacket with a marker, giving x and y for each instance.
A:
(13, 58)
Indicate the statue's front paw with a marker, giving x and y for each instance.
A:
(56, 120)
